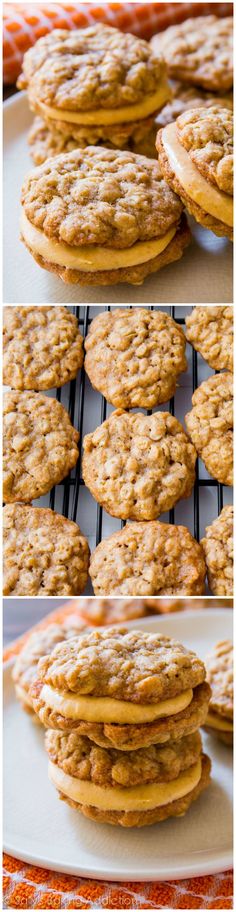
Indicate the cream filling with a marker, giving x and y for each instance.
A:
(105, 709)
(22, 694)
(212, 200)
(93, 258)
(137, 798)
(215, 721)
(112, 116)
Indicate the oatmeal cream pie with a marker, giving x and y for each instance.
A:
(210, 331)
(95, 85)
(132, 788)
(122, 689)
(134, 357)
(218, 549)
(44, 553)
(38, 644)
(138, 466)
(42, 347)
(100, 216)
(148, 558)
(196, 158)
(199, 52)
(210, 425)
(39, 445)
(219, 665)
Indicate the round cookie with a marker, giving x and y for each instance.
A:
(218, 549)
(134, 357)
(199, 51)
(44, 553)
(143, 780)
(196, 159)
(99, 216)
(210, 425)
(121, 688)
(138, 466)
(38, 644)
(210, 331)
(95, 85)
(42, 347)
(148, 558)
(39, 445)
(219, 665)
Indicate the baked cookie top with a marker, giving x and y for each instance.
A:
(40, 643)
(123, 664)
(218, 549)
(207, 136)
(42, 347)
(137, 466)
(39, 445)
(199, 51)
(219, 665)
(210, 425)
(77, 756)
(184, 97)
(210, 331)
(98, 196)
(133, 357)
(148, 558)
(44, 553)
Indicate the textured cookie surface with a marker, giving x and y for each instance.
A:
(49, 137)
(78, 757)
(44, 553)
(210, 425)
(218, 549)
(90, 68)
(39, 644)
(138, 467)
(199, 51)
(207, 136)
(42, 347)
(133, 357)
(150, 558)
(210, 331)
(126, 665)
(39, 445)
(100, 196)
(219, 665)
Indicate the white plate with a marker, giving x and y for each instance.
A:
(41, 830)
(203, 275)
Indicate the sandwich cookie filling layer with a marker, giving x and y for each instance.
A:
(138, 798)
(112, 116)
(108, 710)
(215, 721)
(209, 198)
(92, 258)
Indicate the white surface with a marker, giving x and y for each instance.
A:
(44, 831)
(203, 275)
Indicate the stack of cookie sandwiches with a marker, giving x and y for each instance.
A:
(123, 709)
(220, 670)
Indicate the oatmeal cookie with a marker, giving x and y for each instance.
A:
(44, 553)
(96, 83)
(196, 159)
(219, 665)
(38, 644)
(42, 347)
(102, 611)
(45, 141)
(39, 445)
(210, 425)
(218, 549)
(210, 331)
(199, 51)
(148, 558)
(136, 466)
(99, 216)
(134, 357)
(141, 784)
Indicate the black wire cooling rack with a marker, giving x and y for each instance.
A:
(75, 398)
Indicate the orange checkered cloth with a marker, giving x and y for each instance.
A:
(28, 887)
(24, 23)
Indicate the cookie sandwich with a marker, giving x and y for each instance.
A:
(121, 689)
(210, 331)
(196, 158)
(219, 665)
(218, 549)
(210, 425)
(42, 347)
(99, 216)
